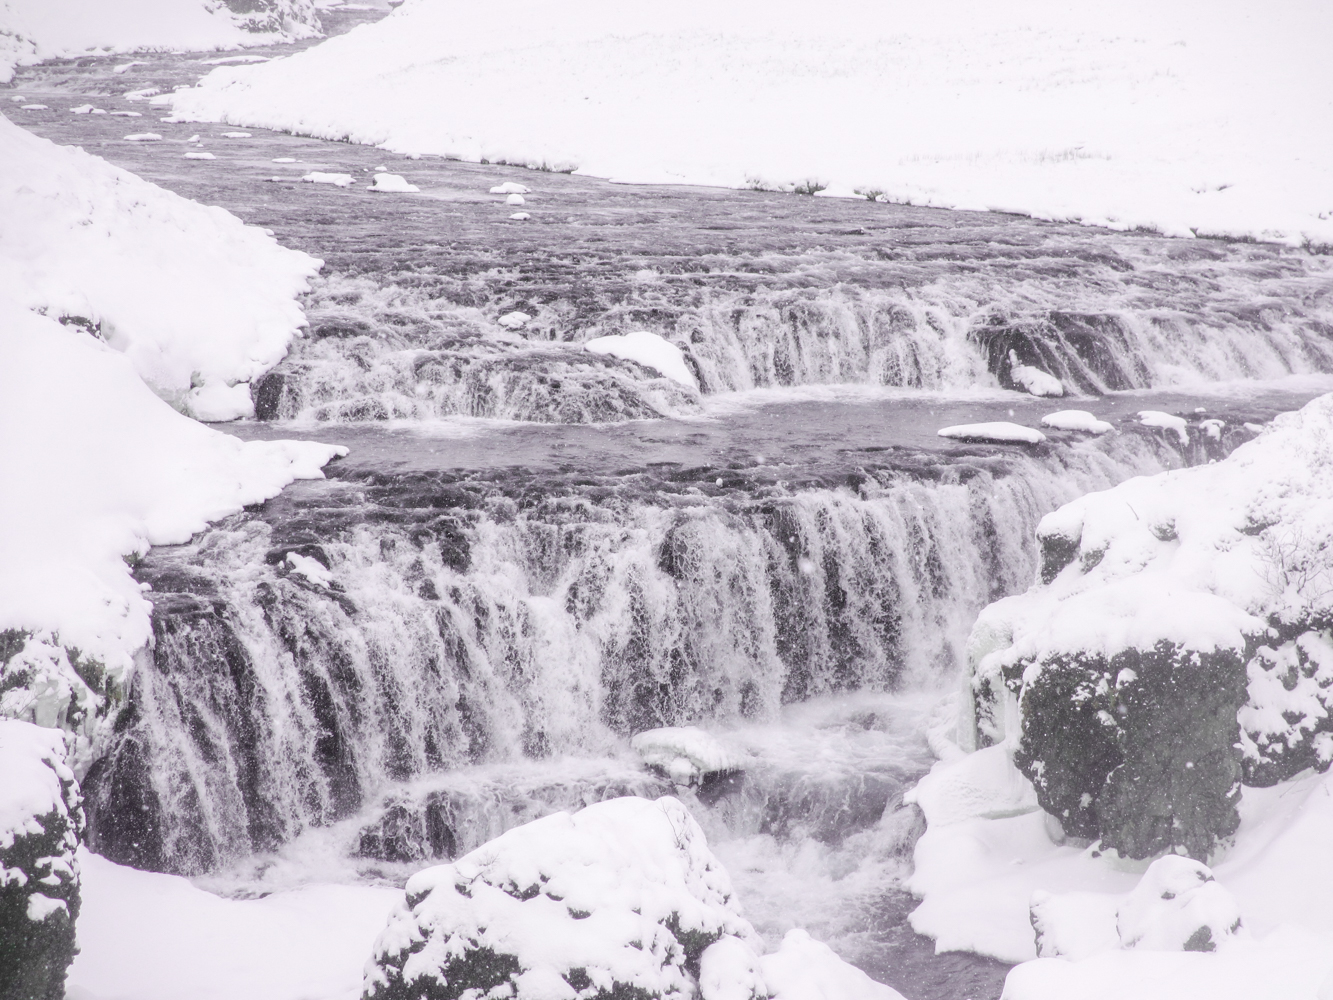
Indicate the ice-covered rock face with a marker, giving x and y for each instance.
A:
(622, 898)
(1177, 644)
(41, 821)
(1177, 906)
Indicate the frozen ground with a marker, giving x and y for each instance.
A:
(1141, 114)
(34, 30)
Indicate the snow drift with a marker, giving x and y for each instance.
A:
(1128, 115)
(199, 302)
(34, 30)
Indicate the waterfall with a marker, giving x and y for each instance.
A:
(379, 627)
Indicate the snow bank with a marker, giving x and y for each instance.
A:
(1076, 420)
(1204, 124)
(195, 299)
(620, 898)
(648, 349)
(997, 431)
(97, 469)
(34, 30)
(158, 937)
(685, 754)
(41, 820)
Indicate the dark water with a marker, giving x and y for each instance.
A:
(532, 552)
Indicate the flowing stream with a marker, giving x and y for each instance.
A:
(533, 552)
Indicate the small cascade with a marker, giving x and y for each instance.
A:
(377, 627)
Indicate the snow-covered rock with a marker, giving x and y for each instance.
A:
(1178, 642)
(995, 431)
(806, 969)
(187, 292)
(1076, 420)
(1167, 422)
(1177, 906)
(34, 30)
(650, 350)
(515, 320)
(685, 754)
(620, 898)
(41, 823)
(325, 177)
(515, 200)
(392, 183)
(510, 187)
(1032, 379)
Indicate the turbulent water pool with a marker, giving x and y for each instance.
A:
(532, 552)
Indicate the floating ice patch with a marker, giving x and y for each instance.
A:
(235, 135)
(1076, 420)
(1032, 379)
(200, 156)
(35, 107)
(392, 183)
(129, 65)
(1166, 421)
(521, 216)
(510, 187)
(1000, 431)
(144, 137)
(515, 199)
(319, 177)
(684, 754)
(514, 320)
(650, 350)
(284, 159)
(127, 114)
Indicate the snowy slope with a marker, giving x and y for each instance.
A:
(33, 30)
(97, 468)
(191, 295)
(1134, 114)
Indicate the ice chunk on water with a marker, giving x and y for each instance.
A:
(235, 135)
(1000, 431)
(521, 216)
(125, 114)
(320, 177)
(515, 199)
(393, 183)
(510, 187)
(1076, 420)
(144, 137)
(685, 753)
(198, 155)
(650, 350)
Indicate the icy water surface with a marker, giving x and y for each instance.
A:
(533, 552)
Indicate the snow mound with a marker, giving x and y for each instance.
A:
(520, 216)
(515, 200)
(1033, 380)
(620, 897)
(806, 969)
(685, 754)
(1166, 421)
(1076, 420)
(998, 431)
(322, 177)
(41, 821)
(187, 292)
(975, 106)
(392, 183)
(649, 350)
(1177, 906)
(510, 187)
(98, 469)
(34, 30)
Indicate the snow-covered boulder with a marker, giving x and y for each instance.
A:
(685, 754)
(1076, 420)
(1177, 906)
(651, 351)
(392, 184)
(41, 822)
(1178, 642)
(993, 432)
(619, 899)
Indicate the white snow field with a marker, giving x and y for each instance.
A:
(1247, 550)
(1146, 113)
(158, 937)
(34, 30)
(199, 302)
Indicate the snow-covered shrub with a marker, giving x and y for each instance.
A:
(41, 821)
(1176, 645)
(619, 899)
